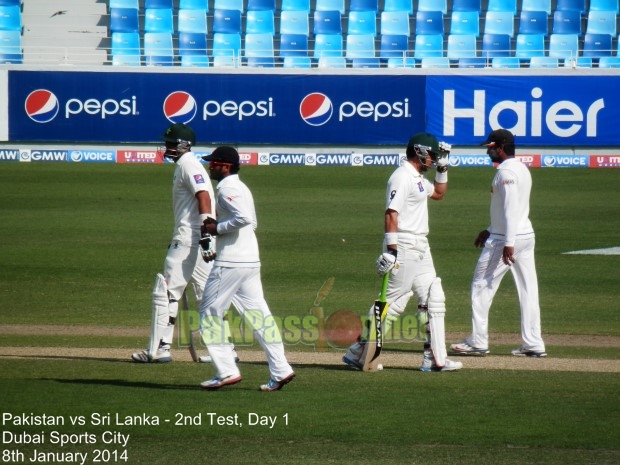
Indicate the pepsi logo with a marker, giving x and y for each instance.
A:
(41, 106)
(316, 109)
(180, 107)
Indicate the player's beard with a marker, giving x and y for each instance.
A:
(495, 158)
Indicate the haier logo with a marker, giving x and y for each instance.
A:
(180, 107)
(92, 156)
(565, 161)
(317, 109)
(42, 106)
(563, 118)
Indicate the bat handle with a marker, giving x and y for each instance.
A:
(384, 286)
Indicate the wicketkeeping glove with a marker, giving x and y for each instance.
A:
(207, 247)
(443, 157)
(387, 263)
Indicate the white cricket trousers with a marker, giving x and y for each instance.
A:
(488, 275)
(244, 285)
(184, 265)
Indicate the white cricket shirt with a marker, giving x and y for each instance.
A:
(236, 243)
(190, 177)
(510, 202)
(407, 193)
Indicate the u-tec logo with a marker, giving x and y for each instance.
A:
(316, 109)
(42, 106)
(180, 107)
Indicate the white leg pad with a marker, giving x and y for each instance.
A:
(161, 316)
(436, 313)
(167, 332)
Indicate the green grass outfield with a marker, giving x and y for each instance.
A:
(80, 247)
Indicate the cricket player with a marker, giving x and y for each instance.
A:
(507, 244)
(236, 275)
(189, 258)
(406, 252)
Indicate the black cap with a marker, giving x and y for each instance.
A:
(224, 154)
(501, 137)
(179, 132)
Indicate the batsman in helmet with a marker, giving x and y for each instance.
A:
(190, 254)
(406, 252)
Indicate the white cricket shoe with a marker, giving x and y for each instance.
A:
(216, 383)
(428, 364)
(273, 385)
(463, 348)
(523, 352)
(353, 356)
(161, 356)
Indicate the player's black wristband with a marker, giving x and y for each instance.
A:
(393, 252)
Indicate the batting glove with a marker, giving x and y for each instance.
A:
(443, 157)
(387, 263)
(207, 247)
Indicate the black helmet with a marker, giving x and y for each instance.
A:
(180, 133)
(423, 144)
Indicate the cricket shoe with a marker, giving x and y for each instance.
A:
(523, 352)
(273, 385)
(463, 348)
(428, 364)
(161, 356)
(208, 359)
(217, 382)
(353, 356)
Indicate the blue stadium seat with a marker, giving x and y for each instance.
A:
(604, 5)
(260, 62)
(566, 22)
(261, 5)
(429, 22)
(294, 22)
(10, 18)
(596, 45)
(360, 46)
(365, 63)
(499, 22)
(328, 45)
(124, 20)
(496, 45)
(435, 62)
(126, 60)
(505, 62)
(503, 5)
(461, 46)
(533, 22)
(564, 46)
(466, 5)
(327, 22)
(296, 5)
(332, 62)
(158, 20)
(124, 4)
(536, 5)
(148, 4)
(201, 61)
(260, 22)
(10, 2)
(330, 5)
(395, 23)
(194, 5)
(393, 46)
(158, 49)
(544, 62)
(192, 43)
(401, 62)
(579, 62)
(226, 45)
(293, 45)
(428, 46)
(601, 22)
(431, 5)
(297, 62)
(465, 22)
(11, 44)
(364, 5)
(227, 21)
(362, 22)
(125, 43)
(530, 45)
(473, 62)
(229, 5)
(259, 45)
(192, 21)
(609, 62)
(226, 61)
(567, 5)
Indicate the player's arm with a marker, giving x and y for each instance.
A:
(440, 185)
(387, 260)
(239, 212)
(207, 242)
(510, 192)
(204, 205)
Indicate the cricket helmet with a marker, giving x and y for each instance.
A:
(423, 145)
(179, 133)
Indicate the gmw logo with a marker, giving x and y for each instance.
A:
(316, 109)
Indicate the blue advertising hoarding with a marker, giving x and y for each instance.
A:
(539, 110)
(116, 107)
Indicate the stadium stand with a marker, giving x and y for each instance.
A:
(533, 22)
(467, 5)
(407, 5)
(536, 5)
(566, 22)
(604, 5)
(294, 22)
(465, 22)
(461, 46)
(566, 5)
(502, 5)
(364, 5)
(431, 5)
(429, 22)
(362, 22)
(499, 22)
(260, 22)
(194, 20)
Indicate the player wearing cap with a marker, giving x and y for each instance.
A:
(508, 244)
(193, 201)
(407, 255)
(236, 275)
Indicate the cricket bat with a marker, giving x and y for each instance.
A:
(374, 343)
(191, 347)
